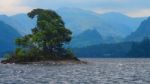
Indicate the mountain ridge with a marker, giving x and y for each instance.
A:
(87, 38)
(81, 20)
(7, 38)
(142, 31)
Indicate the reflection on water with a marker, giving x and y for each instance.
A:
(98, 71)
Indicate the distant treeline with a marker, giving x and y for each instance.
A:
(116, 50)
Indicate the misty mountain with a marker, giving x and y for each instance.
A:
(142, 32)
(26, 22)
(87, 38)
(108, 24)
(7, 37)
(111, 26)
(21, 22)
(78, 20)
(115, 25)
(122, 24)
(12, 23)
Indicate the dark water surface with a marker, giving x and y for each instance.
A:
(98, 71)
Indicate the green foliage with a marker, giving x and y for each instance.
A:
(20, 52)
(7, 56)
(47, 38)
(50, 33)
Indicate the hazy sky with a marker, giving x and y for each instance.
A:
(136, 8)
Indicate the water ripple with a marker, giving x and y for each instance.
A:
(98, 71)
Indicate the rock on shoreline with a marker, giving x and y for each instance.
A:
(60, 62)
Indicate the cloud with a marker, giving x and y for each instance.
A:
(139, 13)
(130, 7)
(100, 6)
(12, 7)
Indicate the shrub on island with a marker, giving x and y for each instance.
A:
(46, 42)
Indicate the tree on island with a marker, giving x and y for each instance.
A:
(46, 41)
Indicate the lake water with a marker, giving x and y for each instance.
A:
(98, 71)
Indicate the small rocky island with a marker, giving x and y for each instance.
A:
(46, 42)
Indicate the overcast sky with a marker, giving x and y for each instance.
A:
(135, 8)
